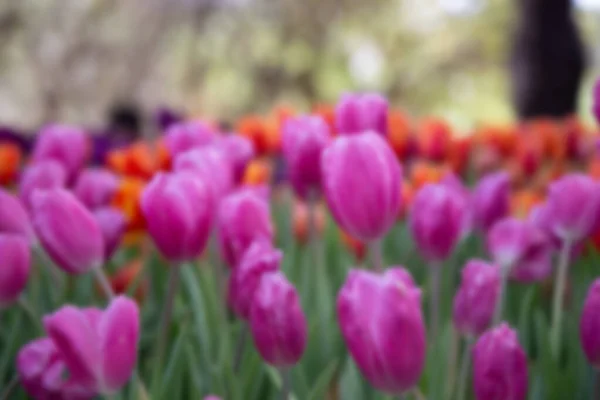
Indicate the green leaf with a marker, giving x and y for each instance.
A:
(322, 384)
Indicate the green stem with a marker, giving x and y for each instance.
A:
(559, 291)
(285, 384)
(165, 321)
(451, 364)
(12, 385)
(104, 283)
(376, 255)
(464, 369)
(434, 304)
(239, 348)
(504, 272)
(31, 314)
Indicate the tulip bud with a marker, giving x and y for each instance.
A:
(475, 300)
(574, 204)
(436, 221)
(67, 145)
(499, 366)
(99, 348)
(490, 200)
(375, 313)
(259, 259)
(521, 248)
(95, 187)
(277, 321)
(239, 151)
(41, 176)
(244, 216)
(68, 231)
(304, 139)
(178, 213)
(13, 217)
(361, 181)
(358, 113)
(589, 325)
(112, 223)
(209, 164)
(188, 135)
(14, 270)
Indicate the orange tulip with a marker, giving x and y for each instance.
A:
(594, 168)
(127, 199)
(10, 161)
(434, 137)
(301, 221)
(423, 172)
(408, 193)
(459, 154)
(358, 248)
(140, 159)
(502, 139)
(258, 171)
(327, 112)
(523, 201)
(127, 276)
(400, 134)
(256, 129)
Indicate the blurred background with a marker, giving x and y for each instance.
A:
(469, 61)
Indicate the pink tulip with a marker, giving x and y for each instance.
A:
(99, 348)
(95, 187)
(239, 151)
(178, 211)
(436, 221)
(452, 181)
(259, 259)
(14, 267)
(13, 216)
(67, 145)
(358, 113)
(596, 101)
(68, 231)
(42, 372)
(589, 326)
(210, 164)
(490, 200)
(304, 139)
(475, 300)
(574, 204)
(112, 223)
(188, 135)
(375, 313)
(277, 321)
(41, 176)
(244, 216)
(212, 397)
(521, 248)
(361, 181)
(499, 366)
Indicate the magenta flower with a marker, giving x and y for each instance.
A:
(596, 101)
(436, 221)
(112, 223)
(13, 216)
(277, 321)
(244, 216)
(67, 145)
(259, 259)
(361, 181)
(68, 231)
(14, 268)
(304, 139)
(490, 200)
(189, 135)
(499, 366)
(239, 150)
(95, 187)
(178, 211)
(358, 113)
(589, 326)
(41, 176)
(375, 313)
(475, 300)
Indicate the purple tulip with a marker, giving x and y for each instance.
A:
(112, 223)
(596, 101)
(304, 139)
(520, 247)
(436, 221)
(14, 270)
(95, 187)
(68, 231)
(244, 217)
(277, 321)
(98, 348)
(499, 366)
(452, 181)
(375, 313)
(358, 113)
(589, 326)
(178, 211)
(239, 150)
(361, 181)
(259, 259)
(574, 204)
(490, 200)
(13, 216)
(188, 135)
(67, 145)
(41, 176)
(475, 300)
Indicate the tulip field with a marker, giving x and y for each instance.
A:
(347, 253)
